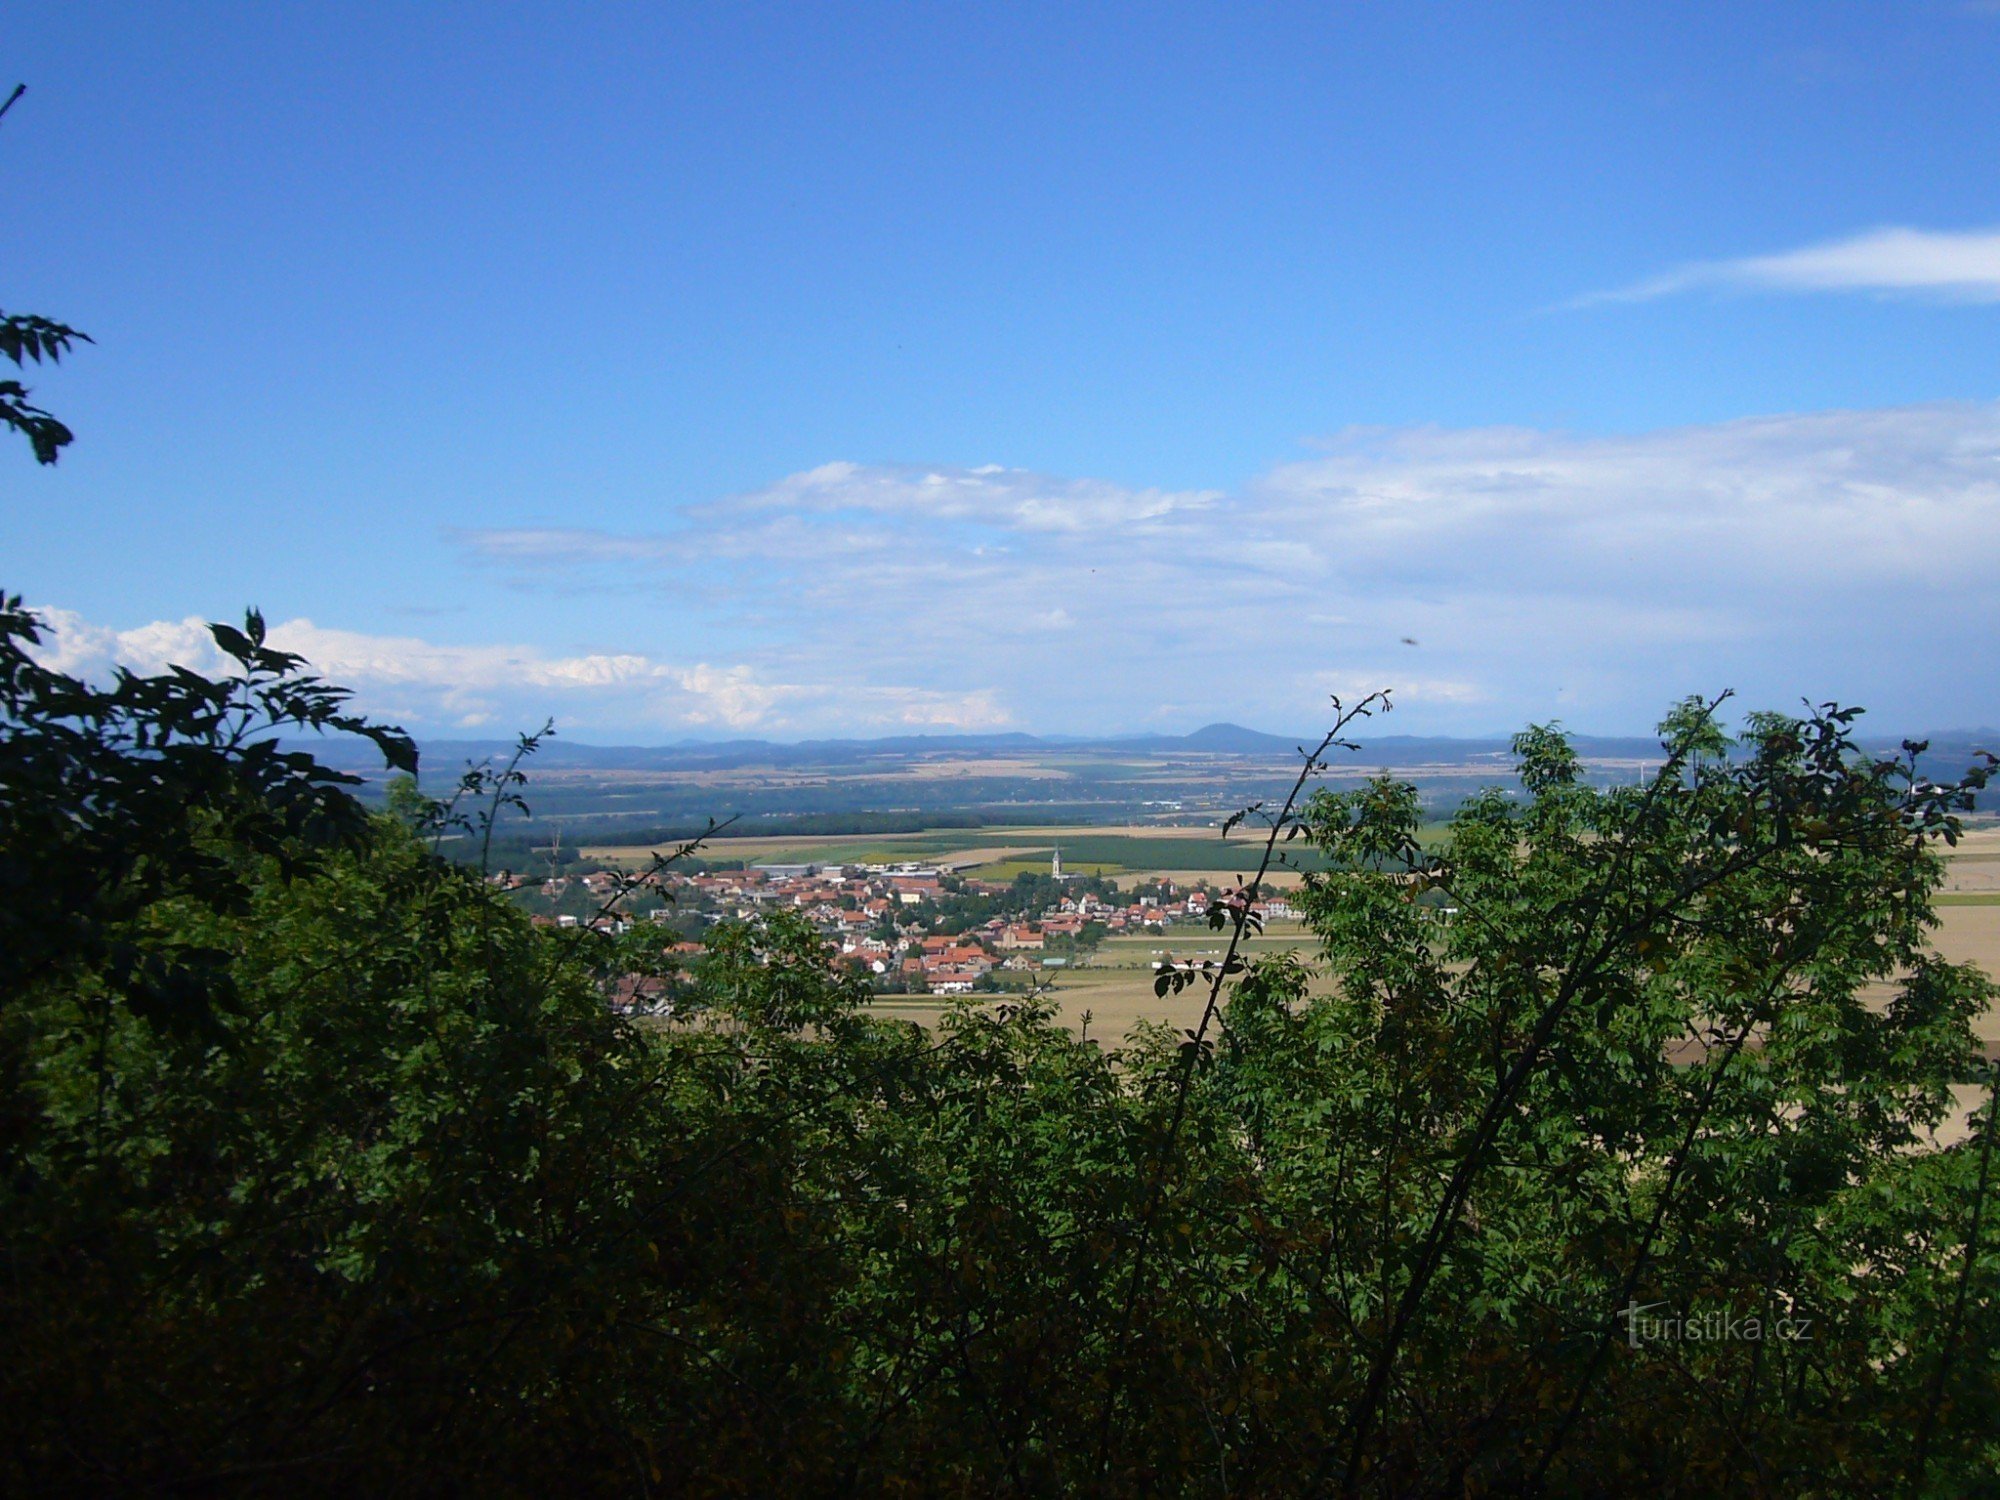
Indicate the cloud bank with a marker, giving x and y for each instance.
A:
(1491, 575)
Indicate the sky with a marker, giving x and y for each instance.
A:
(796, 370)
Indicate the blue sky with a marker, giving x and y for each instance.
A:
(795, 370)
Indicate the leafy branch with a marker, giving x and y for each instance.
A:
(25, 337)
(1237, 912)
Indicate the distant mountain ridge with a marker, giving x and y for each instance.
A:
(1211, 739)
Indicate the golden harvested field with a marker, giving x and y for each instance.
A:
(1975, 865)
(1117, 987)
(1972, 934)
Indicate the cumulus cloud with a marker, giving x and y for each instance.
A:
(76, 646)
(1948, 265)
(431, 685)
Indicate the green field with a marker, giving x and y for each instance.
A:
(1007, 869)
(1112, 853)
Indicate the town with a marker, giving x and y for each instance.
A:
(907, 929)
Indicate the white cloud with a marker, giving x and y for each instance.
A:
(989, 494)
(74, 645)
(1834, 553)
(1788, 501)
(924, 709)
(428, 685)
(1949, 265)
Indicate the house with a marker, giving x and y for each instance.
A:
(638, 992)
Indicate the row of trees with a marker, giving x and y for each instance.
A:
(321, 1169)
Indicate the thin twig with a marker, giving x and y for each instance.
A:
(1191, 1049)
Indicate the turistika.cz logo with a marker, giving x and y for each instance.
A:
(1716, 1326)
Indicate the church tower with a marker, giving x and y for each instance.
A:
(1055, 864)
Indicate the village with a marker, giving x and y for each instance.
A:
(905, 928)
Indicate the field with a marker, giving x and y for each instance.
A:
(1184, 853)
(1116, 987)
(1969, 912)
(997, 854)
(1969, 909)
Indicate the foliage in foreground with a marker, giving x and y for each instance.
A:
(324, 1170)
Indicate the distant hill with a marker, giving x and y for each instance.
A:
(1234, 739)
